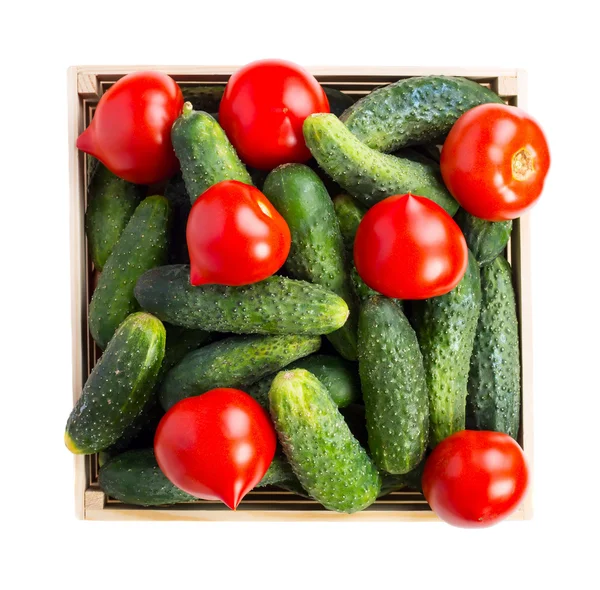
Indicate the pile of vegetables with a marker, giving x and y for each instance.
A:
(299, 290)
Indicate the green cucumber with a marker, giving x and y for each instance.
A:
(280, 471)
(142, 246)
(204, 152)
(277, 305)
(414, 111)
(338, 101)
(339, 377)
(367, 174)
(180, 207)
(119, 386)
(494, 383)
(237, 361)
(317, 250)
(111, 203)
(446, 331)
(486, 239)
(393, 385)
(410, 480)
(328, 461)
(203, 98)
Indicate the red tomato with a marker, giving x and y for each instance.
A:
(216, 446)
(408, 247)
(131, 129)
(494, 161)
(475, 479)
(235, 236)
(263, 108)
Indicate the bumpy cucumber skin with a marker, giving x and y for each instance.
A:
(414, 111)
(111, 203)
(494, 383)
(393, 385)
(142, 246)
(180, 210)
(277, 305)
(204, 152)
(486, 239)
(317, 250)
(446, 332)
(328, 461)
(338, 101)
(237, 362)
(367, 174)
(203, 98)
(119, 386)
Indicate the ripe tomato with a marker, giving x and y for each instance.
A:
(216, 446)
(408, 247)
(131, 129)
(235, 236)
(263, 108)
(494, 161)
(475, 479)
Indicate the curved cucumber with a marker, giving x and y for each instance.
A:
(446, 331)
(328, 461)
(237, 362)
(338, 101)
(180, 210)
(204, 152)
(111, 203)
(393, 385)
(277, 305)
(494, 384)
(367, 174)
(142, 246)
(119, 386)
(317, 250)
(414, 111)
(486, 239)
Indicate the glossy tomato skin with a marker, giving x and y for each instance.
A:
(408, 247)
(474, 479)
(494, 161)
(263, 109)
(131, 129)
(216, 446)
(235, 236)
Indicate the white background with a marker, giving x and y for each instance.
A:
(44, 545)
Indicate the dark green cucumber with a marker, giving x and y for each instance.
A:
(339, 377)
(277, 305)
(142, 246)
(367, 174)
(414, 111)
(350, 214)
(494, 383)
(280, 471)
(203, 98)
(328, 461)
(119, 386)
(111, 203)
(237, 361)
(486, 239)
(204, 152)
(180, 209)
(446, 331)
(338, 101)
(410, 480)
(393, 385)
(317, 250)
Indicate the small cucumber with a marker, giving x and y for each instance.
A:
(328, 461)
(393, 385)
(142, 246)
(446, 331)
(367, 174)
(204, 152)
(119, 386)
(277, 305)
(338, 101)
(486, 239)
(317, 250)
(203, 98)
(494, 384)
(180, 209)
(111, 203)
(414, 111)
(237, 361)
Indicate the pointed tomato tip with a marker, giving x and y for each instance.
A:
(85, 142)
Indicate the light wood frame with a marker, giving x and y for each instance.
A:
(85, 86)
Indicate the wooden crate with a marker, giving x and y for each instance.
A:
(85, 87)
